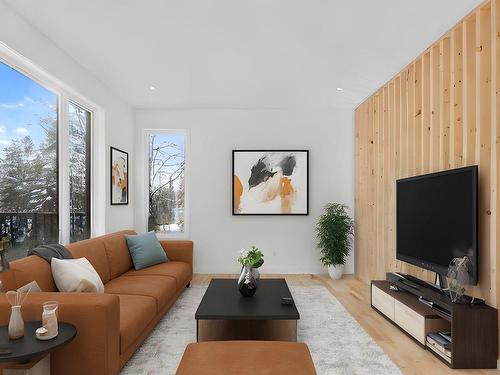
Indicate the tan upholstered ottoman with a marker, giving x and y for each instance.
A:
(246, 358)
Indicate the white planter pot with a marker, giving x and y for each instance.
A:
(336, 271)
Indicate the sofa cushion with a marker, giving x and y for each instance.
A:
(136, 312)
(161, 288)
(92, 249)
(145, 250)
(117, 252)
(76, 275)
(25, 270)
(180, 271)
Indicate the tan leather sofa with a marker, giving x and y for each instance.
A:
(111, 326)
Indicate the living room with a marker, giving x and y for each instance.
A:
(249, 188)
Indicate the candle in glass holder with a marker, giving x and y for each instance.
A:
(49, 319)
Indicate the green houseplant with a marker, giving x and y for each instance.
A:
(335, 230)
(250, 260)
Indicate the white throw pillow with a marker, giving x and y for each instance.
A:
(76, 275)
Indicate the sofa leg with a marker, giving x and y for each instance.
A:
(188, 285)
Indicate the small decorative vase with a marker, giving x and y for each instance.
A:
(336, 271)
(49, 319)
(16, 323)
(248, 281)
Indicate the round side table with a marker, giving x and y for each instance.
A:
(27, 355)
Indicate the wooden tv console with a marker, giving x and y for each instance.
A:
(474, 328)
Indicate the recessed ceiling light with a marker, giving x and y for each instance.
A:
(340, 89)
(152, 88)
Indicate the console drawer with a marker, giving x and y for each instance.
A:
(410, 321)
(383, 302)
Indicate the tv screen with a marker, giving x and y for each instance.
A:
(437, 219)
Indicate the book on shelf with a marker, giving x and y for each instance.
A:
(442, 341)
(445, 335)
(436, 345)
(434, 348)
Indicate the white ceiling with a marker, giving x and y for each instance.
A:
(243, 54)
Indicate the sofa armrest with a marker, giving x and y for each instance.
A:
(96, 347)
(181, 251)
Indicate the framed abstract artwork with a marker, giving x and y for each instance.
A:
(270, 182)
(119, 177)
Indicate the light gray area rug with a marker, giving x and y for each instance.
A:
(338, 344)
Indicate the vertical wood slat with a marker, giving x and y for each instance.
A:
(469, 89)
(435, 108)
(444, 100)
(417, 117)
(495, 147)
(378, 189)
(397, 126)
(426, 112)
(391, 259)
(410, 118)
(456, 129)
(483, 136)
(385, 178)
(372, 193)
(359, 174)
(403, 128)
(440, 112)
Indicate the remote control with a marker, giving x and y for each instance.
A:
(286, 301)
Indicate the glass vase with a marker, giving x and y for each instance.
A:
(49, 319)
(248, 281)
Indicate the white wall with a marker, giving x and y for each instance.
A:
(118, 116)
(288, 243)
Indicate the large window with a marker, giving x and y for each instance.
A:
(167, 182)
(32, 165)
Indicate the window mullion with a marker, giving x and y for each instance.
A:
(63, 163)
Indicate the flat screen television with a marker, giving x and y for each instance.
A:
(437, 219)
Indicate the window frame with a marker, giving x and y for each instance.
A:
(65, 95)
(146, 135)
(88, 172)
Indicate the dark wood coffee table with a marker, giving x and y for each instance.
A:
(224, 314)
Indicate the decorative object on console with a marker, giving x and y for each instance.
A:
(249, 277)
(49, 328)
(270, 182)
(334, 230)
(16, 322)
(119, 177)
(30, 287)
(145, 250)
(457, 277)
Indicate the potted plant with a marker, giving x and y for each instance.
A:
(335, 230)
(250, 260)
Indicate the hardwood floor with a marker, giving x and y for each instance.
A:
(355, 297)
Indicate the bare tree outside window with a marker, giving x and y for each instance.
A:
(166, 182)
(28, 163)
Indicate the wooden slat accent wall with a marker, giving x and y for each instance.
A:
(440, 112)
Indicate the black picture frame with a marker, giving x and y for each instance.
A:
(112, 198)
(306, 213)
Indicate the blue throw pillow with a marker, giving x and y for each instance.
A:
(145, 250)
